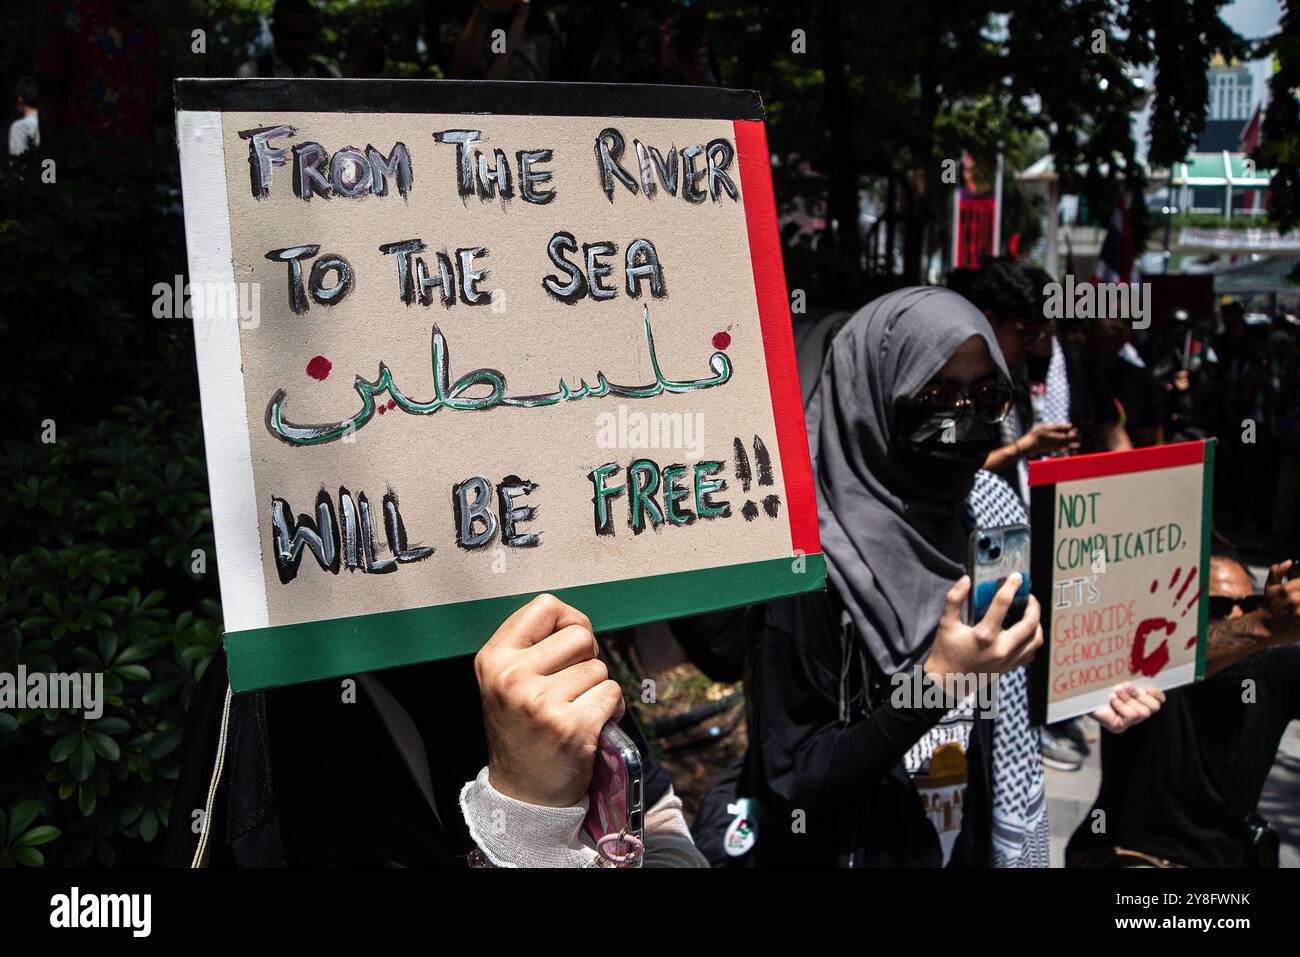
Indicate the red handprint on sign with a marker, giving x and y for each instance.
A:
(1151, 664)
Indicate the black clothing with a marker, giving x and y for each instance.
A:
(825, 740)
(1162, 786)
(1092, 404)
(1138, 394)
(313, 780)
(826, 745)
(1178, 350)
(715, 642)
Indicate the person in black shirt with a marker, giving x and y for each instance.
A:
(1011, 298)
(1063, 407)
(1135, 389)
(1174, 355)
(1181, 790)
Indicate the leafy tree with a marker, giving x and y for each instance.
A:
(104, 506)
(1279, 149)
(884, 86)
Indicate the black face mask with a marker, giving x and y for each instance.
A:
(943, 469)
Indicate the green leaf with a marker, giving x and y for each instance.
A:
(62, 748)
(27, 856)
(23, 815)
(105, 746)
(83, 761)
(164, 743)
(39, 835)
(133, 653)
(161, 691)
(149, 825)
(86, 800)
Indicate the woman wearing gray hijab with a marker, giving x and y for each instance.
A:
(856, 756)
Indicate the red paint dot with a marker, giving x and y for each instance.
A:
(319, 368)
(392, 403)
(383, 409)
(721, 340)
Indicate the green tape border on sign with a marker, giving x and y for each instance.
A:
(311, 651)
(1207, 542)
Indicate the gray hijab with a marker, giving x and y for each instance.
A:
(890, 554)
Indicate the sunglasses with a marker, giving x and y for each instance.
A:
(990, 402)
(1221, 605)
(1033, 333)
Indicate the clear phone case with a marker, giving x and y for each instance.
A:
(616, 789)
(995, 555)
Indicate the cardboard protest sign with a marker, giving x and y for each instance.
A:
(1121, 567)
(462, 343)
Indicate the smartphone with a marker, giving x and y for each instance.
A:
(616, 792)
(995, 555)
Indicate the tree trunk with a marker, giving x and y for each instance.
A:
(842, 185)
(922, 173)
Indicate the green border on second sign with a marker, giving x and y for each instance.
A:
(1207, 536)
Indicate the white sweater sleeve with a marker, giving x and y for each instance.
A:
(511, 833)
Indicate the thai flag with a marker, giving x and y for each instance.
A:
(1116, 262)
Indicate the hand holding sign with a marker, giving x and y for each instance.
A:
(1128, 706)
(986, 647)
(546, 697)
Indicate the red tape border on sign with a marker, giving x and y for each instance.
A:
(1051, 471)
(778, 339)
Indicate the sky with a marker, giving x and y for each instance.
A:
(1253, 18)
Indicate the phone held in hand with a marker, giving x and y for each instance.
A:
(995, 555)
(615, 818)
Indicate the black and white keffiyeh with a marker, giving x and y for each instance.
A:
(1020, 829)
(1055, 405)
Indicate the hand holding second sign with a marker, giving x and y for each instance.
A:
(1128, 705)
(546, 696)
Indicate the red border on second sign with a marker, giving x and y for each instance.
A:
(1051, 471)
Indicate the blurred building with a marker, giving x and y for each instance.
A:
(1207, 210)
(1233, 93)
